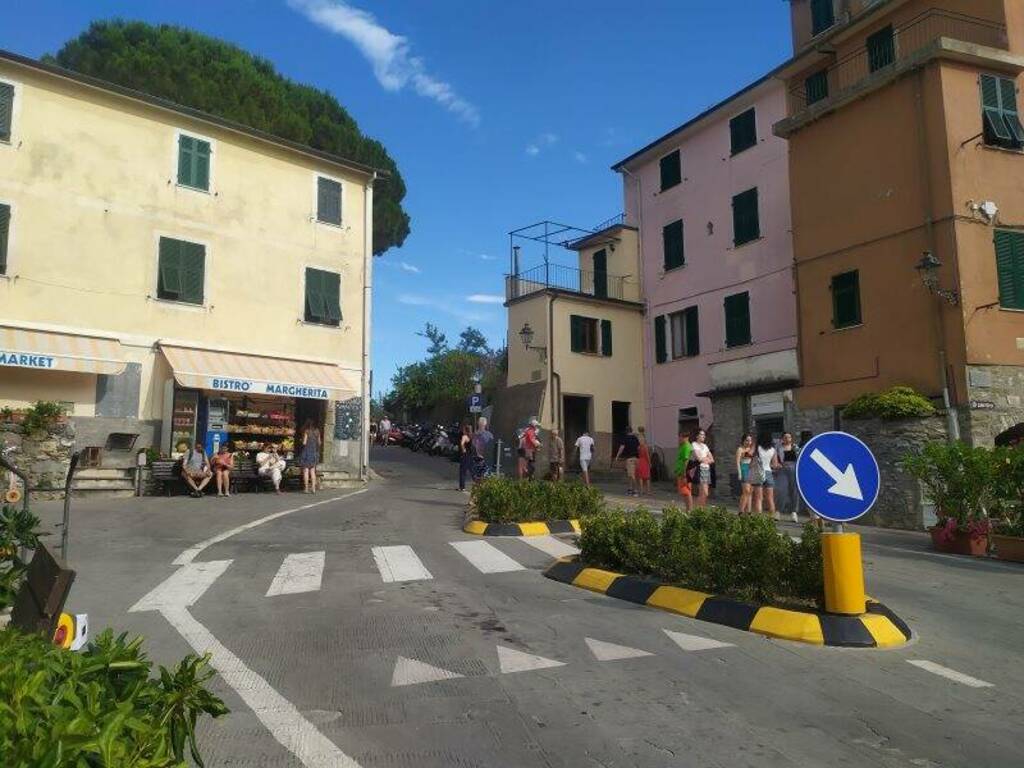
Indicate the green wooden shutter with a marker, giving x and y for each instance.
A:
(328, 195)
(169, 283)
(660, 353)
(743, 131)
(186, 152)
(606, 338)
(822, 16)
(692, 332)
(331, 291)
(816, 86)
(746, 223)
(193, 268)
(674, 254)
(737, 320)
(576, 333)
(1010, 268)
(1008, 104)
(881, 47)
(996, 131)
(5, 228)
(846, 300)
(201, 165)
(6, 110)
(315, 312)
(671, 170)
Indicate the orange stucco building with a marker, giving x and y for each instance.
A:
(904, 140)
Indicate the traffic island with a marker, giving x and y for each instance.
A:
(501, 506)
(534, 528)
(878, 627)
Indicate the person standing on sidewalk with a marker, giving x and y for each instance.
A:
(682, 467)
(643, 463)
(482, 440)
(556, 465)
(762, 476)
(465, 449)
(531, 444)
(786, 490)
(630, 451)
(704, 458)
(384, 431)
(585, 449)
(744, 456)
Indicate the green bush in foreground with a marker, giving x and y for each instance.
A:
(504, 500)
(709, 550)
(19, 529)
(893, 403)
(99, 707)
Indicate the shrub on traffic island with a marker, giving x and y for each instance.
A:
(504, 500)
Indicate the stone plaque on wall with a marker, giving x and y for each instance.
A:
(979, 377)
(348, 419)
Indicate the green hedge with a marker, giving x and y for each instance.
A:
(99, 707)
(503, 500)
(710, 550)
(893, 403)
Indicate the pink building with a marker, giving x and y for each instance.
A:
(711, 202)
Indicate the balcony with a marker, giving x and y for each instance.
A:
(557, 277)
(882, 58)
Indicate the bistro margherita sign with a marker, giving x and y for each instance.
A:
(250, 386)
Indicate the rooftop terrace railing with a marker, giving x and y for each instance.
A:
(598, 285)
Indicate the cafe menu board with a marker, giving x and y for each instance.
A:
(348, 419)
(183, 421)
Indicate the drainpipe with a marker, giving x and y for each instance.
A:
(556, 399)
(648, 370)
(364, 464)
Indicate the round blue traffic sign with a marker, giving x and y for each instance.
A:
(837, 476)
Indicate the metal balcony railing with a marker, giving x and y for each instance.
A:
(907, 40)
(599, 285)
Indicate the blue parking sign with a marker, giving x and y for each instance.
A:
(837, 476)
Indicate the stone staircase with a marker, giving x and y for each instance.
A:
(102, 482)
(338, 479)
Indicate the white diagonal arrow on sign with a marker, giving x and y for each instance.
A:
(844, 483)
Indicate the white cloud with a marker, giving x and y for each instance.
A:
(390, 55)
(487, 257)
(532, 150)
(485, 298)
(407, 267)
(452, 308)
(580, 157)
(545, 140)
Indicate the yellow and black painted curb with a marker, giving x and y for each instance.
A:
(878, 628)
(480, 528)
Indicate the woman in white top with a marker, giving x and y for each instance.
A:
(703, 457)
(765, 462)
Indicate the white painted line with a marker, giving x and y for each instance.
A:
(300, 572)
(695, 642)
(190, 554)
(486, 557)
(399, 563)
(183, 587)
(412, 672)
(604, 651)
(278, 715)
(551, 546)
(949, 674)
(511, 660)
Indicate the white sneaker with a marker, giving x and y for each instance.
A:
(796, 518)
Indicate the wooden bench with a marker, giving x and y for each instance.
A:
(167, 473)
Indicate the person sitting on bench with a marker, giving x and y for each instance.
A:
(223, 463)
(195, 470)
(270, 464)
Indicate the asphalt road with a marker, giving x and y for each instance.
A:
(478, 660)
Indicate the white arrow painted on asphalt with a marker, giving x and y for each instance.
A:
(412, 672)
(844, 483)
(604, 651)
(511, 660)
(695, 642)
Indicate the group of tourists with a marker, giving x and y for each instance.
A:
(197, 468)
(474, 449)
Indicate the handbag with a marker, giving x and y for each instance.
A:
(756, 471)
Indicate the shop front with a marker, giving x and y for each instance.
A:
(245, 401)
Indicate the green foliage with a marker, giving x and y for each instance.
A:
(99, 707)
(474, 342)
(504, 500)
(709, 550)
(19, 529)
(893, 403)
(962, 480)
(219, 78)
(438, 340)
(40, 417)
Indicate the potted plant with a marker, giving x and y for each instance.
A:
(1008, 528)
(961, 481)
(1008, 539)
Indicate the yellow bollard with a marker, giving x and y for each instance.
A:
(844, 573)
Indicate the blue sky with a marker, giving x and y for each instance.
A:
(499, 114)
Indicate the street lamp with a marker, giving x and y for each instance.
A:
(928, 267)
(526, 334)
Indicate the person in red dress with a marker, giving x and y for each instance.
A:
(643, 464)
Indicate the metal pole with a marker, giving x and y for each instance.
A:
(497, 460)
(65, 526)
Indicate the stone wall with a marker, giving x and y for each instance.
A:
(731, 417)
(92, 431)
(995, 404)
(44, 457)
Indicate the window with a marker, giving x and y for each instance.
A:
(1010, 268)
(6, 110)
(323, 297)
(816, 86)
(822, 16)
(328, 201)
(671, 170)
(1002, 127)
(685, 333)
(743, 131)
(672, 239)
(5, 229)
(583, 334)
(660, 352)
(881, 49)
(193, 162)
(846, 300)
(606, 338)
(746, 224)
(737, 319)
(181, 271)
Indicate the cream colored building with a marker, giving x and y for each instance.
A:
(583, 366)
(159, 265)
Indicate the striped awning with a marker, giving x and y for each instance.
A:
(52, 351)
(259, 375)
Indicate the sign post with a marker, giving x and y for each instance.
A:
(839, 480)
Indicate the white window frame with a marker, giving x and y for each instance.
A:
(302, 295)
(207, 271)
(178, 133)
(15, 112)
(8, 273)
(316, 200)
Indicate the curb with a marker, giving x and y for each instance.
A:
(878, 628)
(480, 528)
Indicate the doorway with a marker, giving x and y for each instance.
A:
(601, 274)
(620, 422)
(576, 416)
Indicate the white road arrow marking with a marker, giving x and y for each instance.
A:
(950, 674)
(412, 672)
(511, 660)
(695, 642)
(604, 651)
(844, 483)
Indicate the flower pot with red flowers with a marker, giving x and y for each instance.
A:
(970, 539)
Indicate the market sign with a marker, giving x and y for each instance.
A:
(254, 387)
(14, 359)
